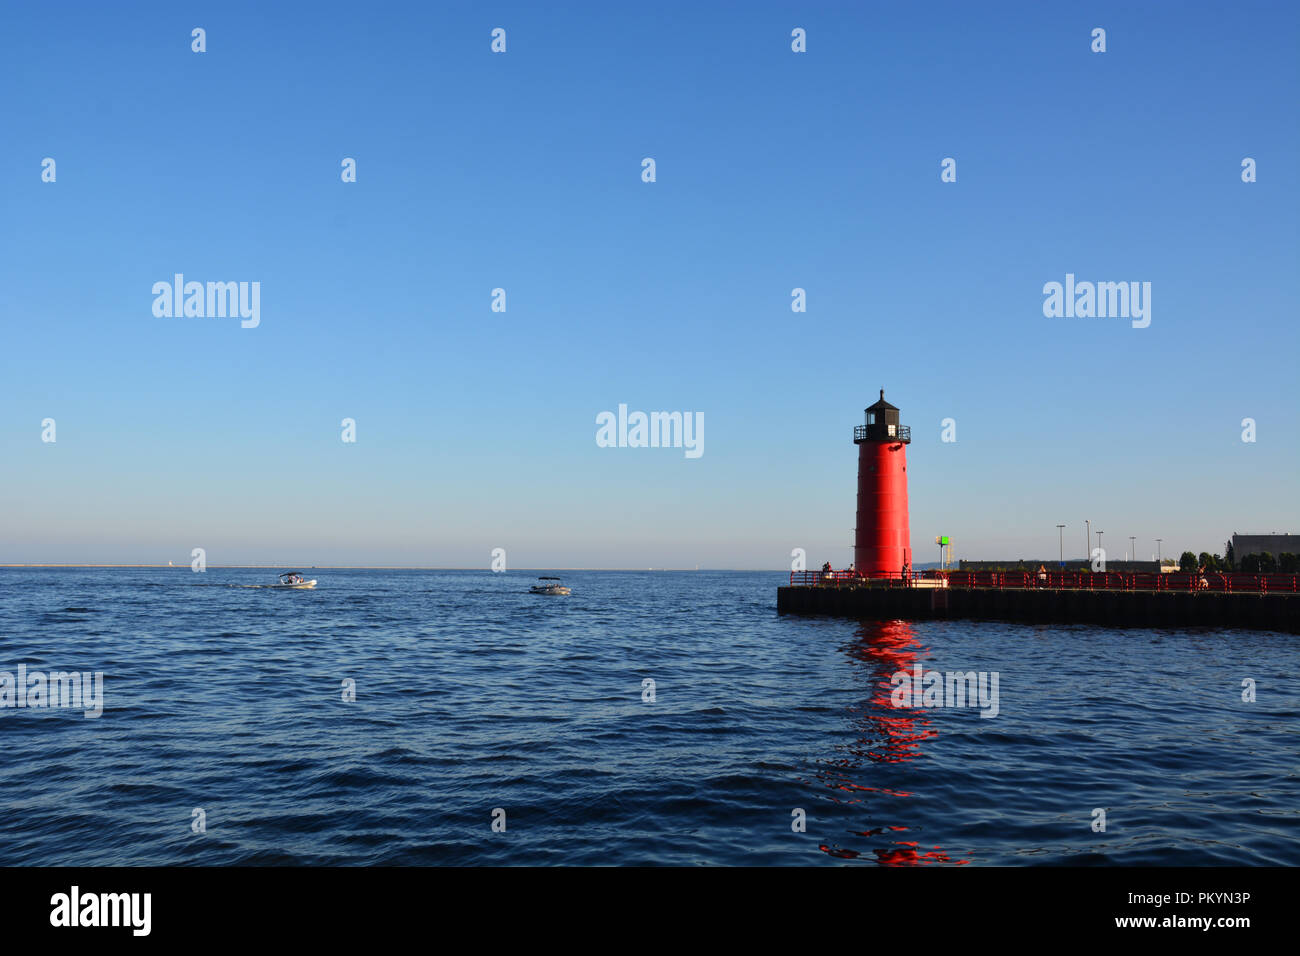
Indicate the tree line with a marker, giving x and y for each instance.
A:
(1261, 563)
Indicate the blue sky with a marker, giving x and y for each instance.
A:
(522, 170)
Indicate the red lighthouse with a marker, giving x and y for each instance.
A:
(881, 542)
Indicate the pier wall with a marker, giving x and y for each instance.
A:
(1270, 611)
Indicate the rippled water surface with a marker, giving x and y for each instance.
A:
(473, 695)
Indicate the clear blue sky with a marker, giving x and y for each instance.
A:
(522, 170)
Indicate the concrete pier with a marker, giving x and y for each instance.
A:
(1279, 611)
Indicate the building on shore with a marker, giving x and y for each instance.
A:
(1274, 544)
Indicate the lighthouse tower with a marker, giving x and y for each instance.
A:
(881, 542)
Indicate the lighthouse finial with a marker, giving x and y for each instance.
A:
(882, 394)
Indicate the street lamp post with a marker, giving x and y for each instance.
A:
(1159, 558)
(1087, 540)
(1132, 547)
(1060, 534)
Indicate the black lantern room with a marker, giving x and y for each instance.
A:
(882, 424)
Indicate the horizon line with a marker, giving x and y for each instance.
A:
(372, 567)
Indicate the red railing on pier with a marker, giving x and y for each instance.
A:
(1068, 580)
(849, 578)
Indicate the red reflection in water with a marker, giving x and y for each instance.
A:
(888, 734)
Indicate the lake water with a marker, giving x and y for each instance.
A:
(473, 696)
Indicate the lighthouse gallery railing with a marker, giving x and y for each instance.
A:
(904, 433)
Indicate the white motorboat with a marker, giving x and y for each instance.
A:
(294, 580)
(547, 585)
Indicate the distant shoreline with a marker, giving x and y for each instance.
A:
(369, 567)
